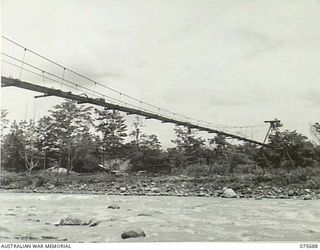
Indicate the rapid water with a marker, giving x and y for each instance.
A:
(31, 218)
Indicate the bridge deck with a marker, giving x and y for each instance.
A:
(6, 82)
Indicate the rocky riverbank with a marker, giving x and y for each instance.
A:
(214, 186)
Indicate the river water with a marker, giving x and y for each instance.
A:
(32, 218)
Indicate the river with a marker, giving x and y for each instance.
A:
(32, 218)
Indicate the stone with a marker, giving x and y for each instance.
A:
(91, 223)
(133, 233)
(291, 193)
(38, 183)
(51, 186)
(57, 170)
(307, 197)
(143, 214)
(70, 221)
(123, 189)
(275, 189)
(155, 190)
(49, 237)
(279, 191)
(113, 206)
(229, 193)
(307, 190)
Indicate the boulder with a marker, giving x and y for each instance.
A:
(155, 190)
(229, 193)
(51, 186)
(58, 170)
(143, 214)
(38, 182)
(277, 190)
(133, 233)
(91, 223)
(70, 221)
(113, 206)
(307, 197)
(291, 193)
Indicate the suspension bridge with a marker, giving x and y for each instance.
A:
(60, 81)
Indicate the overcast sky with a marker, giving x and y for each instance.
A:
(227, 62)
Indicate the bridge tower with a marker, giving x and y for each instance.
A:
(273, 128)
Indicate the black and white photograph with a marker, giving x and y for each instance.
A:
(177, 121)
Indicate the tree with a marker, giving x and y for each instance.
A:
(219, 142)
(150, 142)
(11, 148)
(190, 145)
(67, 125)
(149, 155)
(290, 149)
(241, 157)
(47, 141)
(4, 123)
(176, 158)
(113, 129)
(28, 138)
(83, 154)
(136, 132)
